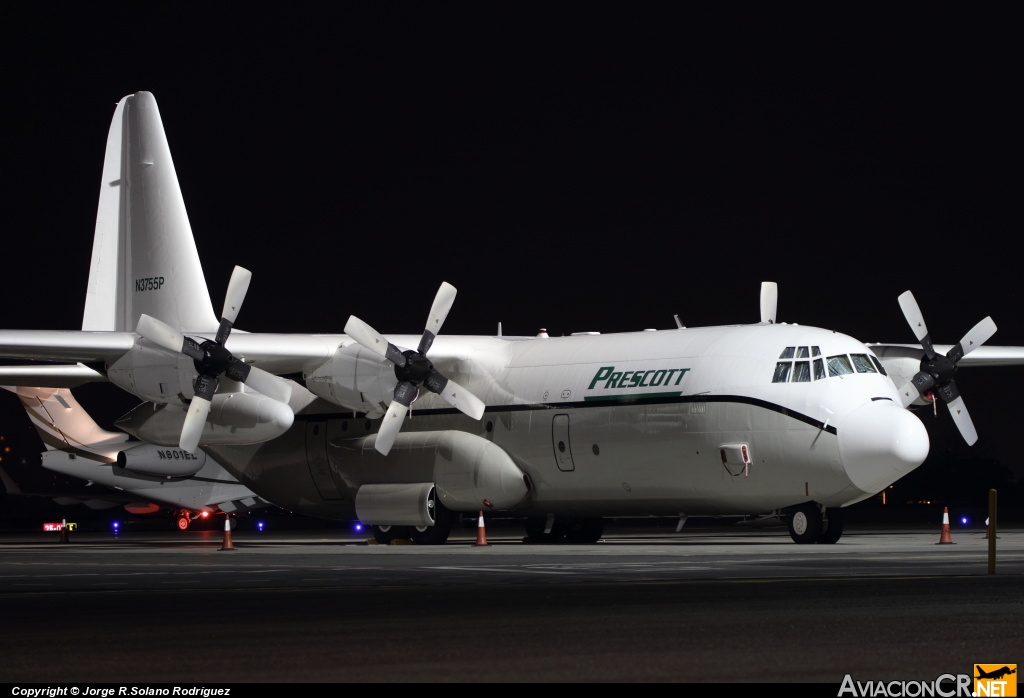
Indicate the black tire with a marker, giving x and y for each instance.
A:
(584, 530)
(439, 532)
(833, 526)
(805, 523)
(535, 531)
(385, 534)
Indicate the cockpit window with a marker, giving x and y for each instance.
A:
(839, 365)
(814, 369)
(782, 370)
(862, 363)
(802, 371)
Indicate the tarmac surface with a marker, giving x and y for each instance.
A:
(716, 604)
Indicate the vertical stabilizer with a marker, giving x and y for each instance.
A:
(144, 258)
(64, 425)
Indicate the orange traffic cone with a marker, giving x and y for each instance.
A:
(228, 545)
(945, 527)
(481, 532)
(64, 531)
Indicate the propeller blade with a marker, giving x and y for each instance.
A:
(390, 425)
(373, 340)
(978, 335)
(438, 313)
(238, 286)
(455, 395)
(195, 420)
(769, 301)
(909, 393)
(963, 421)
(912, 312)
(274, 387)
(160, 333)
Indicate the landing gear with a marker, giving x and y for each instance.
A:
(833, 526)
(183, 522)
(584, 530)
(805, 523)
(535, 531)
(385, 534)
(809, 524)
(439, 532)
(578, 530)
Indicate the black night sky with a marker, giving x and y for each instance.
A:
(577, 167)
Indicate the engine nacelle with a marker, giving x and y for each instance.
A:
(235, 418)
(161, 461)
(154, 374)
(470, 472)
(352, 365)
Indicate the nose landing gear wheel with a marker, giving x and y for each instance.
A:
(805, 523)
(833, 526)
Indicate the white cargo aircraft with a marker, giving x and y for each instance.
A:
(761, 419)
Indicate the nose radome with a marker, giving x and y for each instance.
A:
(879, 443)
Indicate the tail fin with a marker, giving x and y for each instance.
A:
(144, 257)
(10, 486)
(64, 425)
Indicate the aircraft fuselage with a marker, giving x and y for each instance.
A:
(695, 421)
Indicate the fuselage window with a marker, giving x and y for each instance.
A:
(878, 365)
(802, 372)
(819, 369)
(802, 353)
(782, 370)
(839, 365)
(862, 363)
(815, 351)
(787, 353)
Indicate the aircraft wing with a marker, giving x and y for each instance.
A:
(276, 353)
(104, 498)
(65, 345)
(49, 376)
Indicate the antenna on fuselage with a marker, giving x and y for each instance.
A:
(769, 301)
(679, 323)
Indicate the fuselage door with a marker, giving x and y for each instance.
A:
(316, 457)
(560, 442)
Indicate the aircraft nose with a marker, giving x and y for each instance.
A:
(879, 443)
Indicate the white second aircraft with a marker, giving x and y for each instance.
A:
(761, 419)
(140, 477)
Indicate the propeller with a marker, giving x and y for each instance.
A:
(937, 370)
(212, 359)
(413, 368)
(769, 301)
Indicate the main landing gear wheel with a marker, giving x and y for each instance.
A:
(437, 534)
(584, 530)
(535, 531)
(385, 534)
(182, 523)
(578, 530)
(805, 523)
